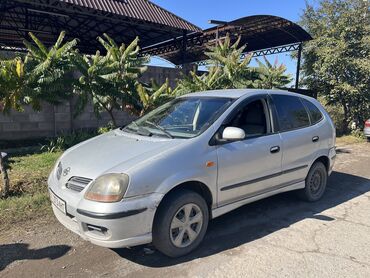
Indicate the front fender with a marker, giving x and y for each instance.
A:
(162, 175)
(207, 178)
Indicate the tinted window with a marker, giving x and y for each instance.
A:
(291, 112)
(315, 113)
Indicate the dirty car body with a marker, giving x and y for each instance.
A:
(199, 142)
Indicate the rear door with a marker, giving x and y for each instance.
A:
(298, 137)
(249, 167)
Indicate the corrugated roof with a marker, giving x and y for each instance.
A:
(123, 20)
(137, 9)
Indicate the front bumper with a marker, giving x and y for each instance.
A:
(116, 225)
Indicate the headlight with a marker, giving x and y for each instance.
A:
(108, 188)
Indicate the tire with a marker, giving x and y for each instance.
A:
(368, 139)
(315, 183)
(175, 241)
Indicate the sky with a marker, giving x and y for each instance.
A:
(199, 12)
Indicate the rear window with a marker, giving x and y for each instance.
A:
(291, 112)
(315, 113)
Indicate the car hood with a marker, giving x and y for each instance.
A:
(116, 149)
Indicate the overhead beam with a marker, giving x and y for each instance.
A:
(266, 52)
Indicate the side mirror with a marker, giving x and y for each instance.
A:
(233, 134)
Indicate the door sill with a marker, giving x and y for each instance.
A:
(294, 185)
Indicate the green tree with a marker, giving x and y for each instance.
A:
(49, 71)
(111, 80)
(43, 75)
(271, 75)
(93, 86)
(204, 82)
(12, 84)
(154, 95)
(226, 69)
(336, 63)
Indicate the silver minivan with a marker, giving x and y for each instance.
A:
(162, 178)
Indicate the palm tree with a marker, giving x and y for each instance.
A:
(154, 95)
(194, 82)
(226, 69)
(93, 86)
(235, 71)
(111, 81)
(41, 76)
(49, 70)
(271, 76)
(12, 86)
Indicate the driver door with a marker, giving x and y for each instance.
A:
(251, 166)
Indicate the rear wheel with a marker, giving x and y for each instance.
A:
(181, 223)
(315, 183)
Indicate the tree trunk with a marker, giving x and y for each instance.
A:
(110, 112)
(4, 190)
(346, 120)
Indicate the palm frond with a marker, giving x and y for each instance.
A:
(40, 45)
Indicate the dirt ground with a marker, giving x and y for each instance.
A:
(279, 236)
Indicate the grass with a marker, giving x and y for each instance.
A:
(28, 191)
(349, 139)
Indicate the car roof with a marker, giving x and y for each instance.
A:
(238, 93)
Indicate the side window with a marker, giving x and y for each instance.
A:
(315, 113)
(291, 112)
(252, 119)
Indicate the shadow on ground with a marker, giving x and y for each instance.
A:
(342, 150)
(19, 251)
(259, 219)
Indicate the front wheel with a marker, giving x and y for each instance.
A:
(315, 183)
(181, 223)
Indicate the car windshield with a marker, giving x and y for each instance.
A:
(184, 117)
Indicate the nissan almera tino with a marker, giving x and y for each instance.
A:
(162, 178)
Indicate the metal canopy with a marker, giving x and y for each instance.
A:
(161, 32)
(263, 35)
(88, 19)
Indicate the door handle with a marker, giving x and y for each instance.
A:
(275, 149)
(315, 138)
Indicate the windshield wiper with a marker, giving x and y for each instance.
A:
(169, 135)
(139, 129)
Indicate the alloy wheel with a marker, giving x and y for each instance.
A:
(186, 225)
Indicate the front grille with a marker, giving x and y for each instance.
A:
(77, 183)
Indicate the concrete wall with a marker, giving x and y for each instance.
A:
(53, 120)
(159, 74)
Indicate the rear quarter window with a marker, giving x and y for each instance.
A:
(315, 113)
(291, 112)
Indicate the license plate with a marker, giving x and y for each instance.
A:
(59, 203)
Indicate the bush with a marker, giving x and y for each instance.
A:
(358, 133)
(64, 142)
(106, 128)
(336, 113)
